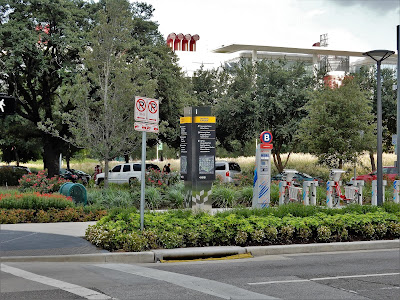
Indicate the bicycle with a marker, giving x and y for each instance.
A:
(292, 193)
(351, 195)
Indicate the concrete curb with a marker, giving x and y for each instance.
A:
(131, 257)
(326, 247)
(155, 255)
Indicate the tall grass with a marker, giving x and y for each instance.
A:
(302, 162)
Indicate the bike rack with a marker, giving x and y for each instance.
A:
(374, 199)
(310, 186)
(287, 180)
(334, 176)
(356, 187)
(396, 191)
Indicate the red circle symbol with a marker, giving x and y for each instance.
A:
(141, 105)
(266, 137)
(153, 107)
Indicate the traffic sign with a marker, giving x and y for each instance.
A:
(7, 105)
(153, 128)
(140, 109)
(266, 137)
(152, 111)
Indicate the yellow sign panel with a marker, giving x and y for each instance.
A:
(186, 120)
(204, 119)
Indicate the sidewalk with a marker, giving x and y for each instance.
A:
(64, 242)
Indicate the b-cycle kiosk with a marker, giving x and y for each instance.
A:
(262, 173)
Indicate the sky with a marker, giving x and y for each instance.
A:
(359, 25)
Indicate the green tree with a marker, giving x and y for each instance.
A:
(104, 115)
(339, 124)
(266, 95)
(40, 42)
(19, 140)
(366, 79)
(282, 91)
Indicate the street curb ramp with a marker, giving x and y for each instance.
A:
(207, 252)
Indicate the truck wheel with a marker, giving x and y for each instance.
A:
(100, 181)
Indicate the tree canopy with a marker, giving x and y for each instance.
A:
(40, 42)
(339, 124)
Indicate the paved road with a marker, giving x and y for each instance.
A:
(338, 275)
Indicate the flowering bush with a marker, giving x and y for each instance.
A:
(71, 214)
(34, 201)
(40, 183)
(161, 179)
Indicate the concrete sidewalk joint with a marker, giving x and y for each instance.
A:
(156, 255)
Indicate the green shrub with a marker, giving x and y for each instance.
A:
(368, 231)
(244, 196)
(69, 214)
(35, 201)
(242, 227)
(304, 234)
(287, 233)
(9, 176)
(343, 235)
(170, 239)
(323, 234)
(223, 196)
(134, 242)
(271, 234)
(394, 229)
(258, 236)
(380, 230)
(175, 196)
(241, 238)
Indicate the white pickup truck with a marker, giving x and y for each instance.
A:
(125, 173)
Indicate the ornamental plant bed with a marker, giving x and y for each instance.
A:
(175, 229)
(34, 200)
(44, 208)
(71, 214)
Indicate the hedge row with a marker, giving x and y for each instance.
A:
(35, 200)
(71, 214)
(185, 229)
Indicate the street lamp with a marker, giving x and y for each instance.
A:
(379, 56)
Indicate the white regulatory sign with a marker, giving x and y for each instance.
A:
(140, 109)
(148, 127)
(152, 111)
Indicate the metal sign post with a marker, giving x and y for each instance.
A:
(146, 117)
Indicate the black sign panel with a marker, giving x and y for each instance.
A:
(186, 150)
(7, 105)
(205, 137)
(197, 145)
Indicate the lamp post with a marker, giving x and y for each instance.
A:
(379, 56)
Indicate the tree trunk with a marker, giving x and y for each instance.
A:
(340, 163)
(68, 160)
(16, 156)
(372, 159)
(51, 155)
(106, 168)
(126, 158)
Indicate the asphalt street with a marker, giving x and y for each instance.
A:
(371, 274)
